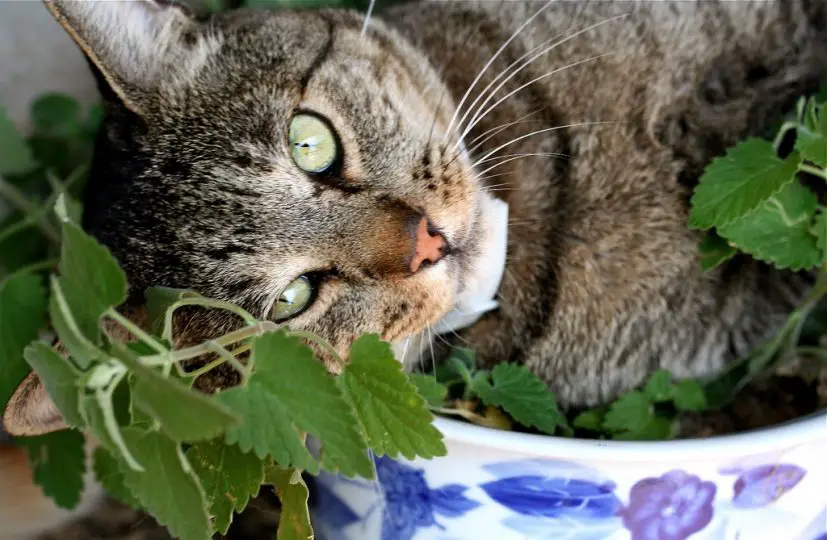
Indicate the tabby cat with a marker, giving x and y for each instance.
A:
(342, 177)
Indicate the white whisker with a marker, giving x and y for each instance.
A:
(507, 160)
(533, 58)
(367, 17)
(552, 154)
(491, 61)
(546, 130)
(473, 145)
(478, 119)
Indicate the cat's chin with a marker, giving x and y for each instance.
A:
(479, 283)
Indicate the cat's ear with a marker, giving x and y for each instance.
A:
(31, 411)
(133, 43)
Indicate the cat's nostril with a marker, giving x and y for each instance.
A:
(430, 246)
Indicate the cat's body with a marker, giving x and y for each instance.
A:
(193, 184)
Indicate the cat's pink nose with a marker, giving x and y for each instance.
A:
(429, 247)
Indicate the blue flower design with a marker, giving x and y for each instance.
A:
(331, 509)
(760, 486)
(672, 507)
(554, 497)
(410, 504)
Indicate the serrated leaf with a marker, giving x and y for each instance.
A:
(811, 146)
(394, 416)
(294, 523)
(739, 182)
(428, 387)
(287, 369)
(82, 350)
(630, 412)
(714, 251)
(183, 413)
(167, 487)
(90, 278)
(659, 386)
(657, 428)
(59, 463)
(158, 301)
(819, 230)
(60, 379)
(15, 155)
(779, 231)
(523, 395)
(267, 427)
(229, 477)
(108, 473)
(22, 316)
(591, 419)
(689, 396)
(57, 115)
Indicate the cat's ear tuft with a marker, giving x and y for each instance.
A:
(31, 411)
(134, 43)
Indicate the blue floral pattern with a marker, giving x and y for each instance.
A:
(410, 504)
(548, 499)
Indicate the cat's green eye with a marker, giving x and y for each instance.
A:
(313, 145)
(293, 300)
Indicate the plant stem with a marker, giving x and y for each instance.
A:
(246, 371)
(205, 302)
(320, 342)
(203, 369)
(260, 328)
(19, 199)
(35, 267)
(815, 171)
(136, 331)
(817, 352)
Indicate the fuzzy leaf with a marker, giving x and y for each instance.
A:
(689, 396)
(630, 412)
(167, 487)
(429, 388)
(108, 473)
(591, 419)
(22, 315)
(15, 155)
(523, 395)
(60, 379)
(229, 476)
(57, 115)
(59, 463)
(715, 251)
(394, 416)
(739, 182)
(779, 231)
(293, 493)
(657, 428)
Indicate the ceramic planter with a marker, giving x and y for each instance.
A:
(767, 484)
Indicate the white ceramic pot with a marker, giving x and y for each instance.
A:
(767, 484)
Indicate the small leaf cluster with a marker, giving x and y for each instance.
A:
(756, 202)
(192, 460)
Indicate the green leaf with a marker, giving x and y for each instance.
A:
(229, 476)
(428, 387)
(267, 427)
(22, 315)
(714, 251)
(657, 428)
(737, 183)
(158, 302)
(83, 351)
(689, 396)
(591, 419)
(109, 474)
(812, 146)
(778, 232)
(659, 386)
(56, 115)
(394, 416)
(15, 157)
(90, 278)
(523, 396)
(327, 416)
(294, 523)
(819, 230)
(167, 487)
(60, 379)
(630, 412)
(59, 463)
(184, 414)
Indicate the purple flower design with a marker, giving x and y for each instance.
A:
(760, 486)
(672, 507)
(410, 504)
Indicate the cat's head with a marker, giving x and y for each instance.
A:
(285, 161)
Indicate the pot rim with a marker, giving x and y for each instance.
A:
(777, 438)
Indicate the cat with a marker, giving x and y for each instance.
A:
(343, 177)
